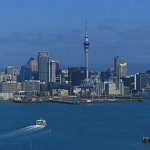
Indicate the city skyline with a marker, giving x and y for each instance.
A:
(114, 28)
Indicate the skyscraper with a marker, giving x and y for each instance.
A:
(53, 71)
(123, 70)
(120, 69)
(25, 73)
(76, 75)
(10, 70)
(43, 68)
(33, 64)
(86, 44)
(117, 61)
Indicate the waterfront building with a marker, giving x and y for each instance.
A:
(31, 86)
(60, 92)
(25, 73)
(10, 86)
(43, 69)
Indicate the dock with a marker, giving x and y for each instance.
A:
(77, 100)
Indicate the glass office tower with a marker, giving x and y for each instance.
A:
(43, 68)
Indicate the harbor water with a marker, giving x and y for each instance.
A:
(105, 126)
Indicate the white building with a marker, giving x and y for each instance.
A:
(110, 87)
(10, 86)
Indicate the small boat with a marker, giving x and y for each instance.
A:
(41, 122)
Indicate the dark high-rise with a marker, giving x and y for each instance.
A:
(43, 68)
(25, 73)
(76, 75)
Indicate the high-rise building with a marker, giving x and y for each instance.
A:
(34, 67)
(142, 80)
(123, 70)
(76, 75)
(25, 73)
(33, 64)
(120, 69)
(10, 70)
(54, 70)
(43, 68)
(117, 61)
(86, 44)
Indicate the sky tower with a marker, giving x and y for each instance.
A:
(86, 44)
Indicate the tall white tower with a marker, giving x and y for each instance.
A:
(86, 44)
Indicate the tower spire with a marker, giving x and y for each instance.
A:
(86, 26)
(86, 44)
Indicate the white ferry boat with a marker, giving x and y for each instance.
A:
(41, 122)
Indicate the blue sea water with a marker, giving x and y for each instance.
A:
(105, 126)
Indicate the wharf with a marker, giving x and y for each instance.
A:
(77, 100)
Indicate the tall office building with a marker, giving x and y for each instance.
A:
(25, 73)
(120, 68)
(141, 80)
(86, 44)
(33, 64)
(43, 68)
(10, 70)
(54, 70)
(76, 75)
(117, 61)
(123, 70)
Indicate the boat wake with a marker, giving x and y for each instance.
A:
(30, 128)
(23, 131)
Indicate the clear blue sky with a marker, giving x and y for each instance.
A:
(115, 27)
